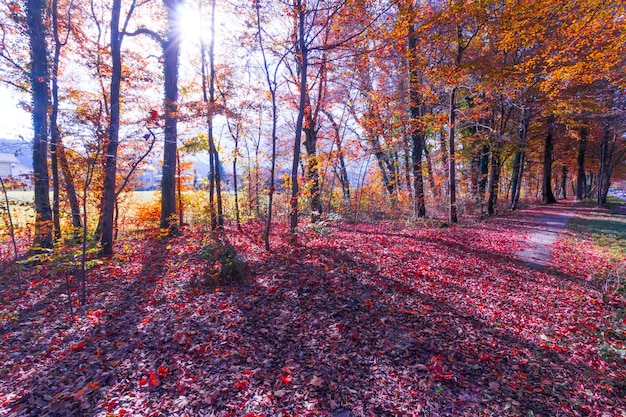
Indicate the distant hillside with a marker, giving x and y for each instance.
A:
(21, 149)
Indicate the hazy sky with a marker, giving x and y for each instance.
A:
(14, 121)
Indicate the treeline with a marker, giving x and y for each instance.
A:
(397, 107)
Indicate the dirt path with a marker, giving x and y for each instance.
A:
(546, 223)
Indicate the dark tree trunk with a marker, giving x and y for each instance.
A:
(418, 176)
(452, 159)
(417, 132)
(431, 175)
(70, 187)
(580, 174)
(384, 165)
(171, 52)
(516, 178)
(494, 180)
(564, 182)
(302, 53)
(603, 169)
(109, 195)
(518, 164)
(483, 170)
(54, 127)
(271, 85)
(546, 190)
(40, 98)
(312, 167)
(57, 153)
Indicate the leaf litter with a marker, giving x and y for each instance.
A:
(372, 320)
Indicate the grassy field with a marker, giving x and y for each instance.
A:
(605, 229)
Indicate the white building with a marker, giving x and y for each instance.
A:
(10, 166)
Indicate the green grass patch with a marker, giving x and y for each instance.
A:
(606, 230)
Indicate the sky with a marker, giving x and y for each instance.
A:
(14, 121)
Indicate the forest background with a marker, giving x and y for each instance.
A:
(388, 108)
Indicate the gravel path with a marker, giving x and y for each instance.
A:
(547, 227)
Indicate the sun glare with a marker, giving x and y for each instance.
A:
(195, 24)
(192, 25)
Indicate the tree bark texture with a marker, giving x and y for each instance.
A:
(40, 98)
(546, 190)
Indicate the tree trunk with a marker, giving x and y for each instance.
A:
(40, 99)
(302, 53)
(516, 178)
(171, 52)
(580, 175)
(452, 159)
(494, 179)
(431, 175)
(54, 128)
(564, 182)
(384, 165)
(603, 174)
(343, 172)
(418, 177)
(546, 190)
(70, 187)
(109, 195)
(312, 167)
(417, 132)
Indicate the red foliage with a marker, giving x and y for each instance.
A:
(378, 320)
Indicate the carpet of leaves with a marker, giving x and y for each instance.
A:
(367, 320)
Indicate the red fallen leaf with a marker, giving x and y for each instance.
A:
(438, 369)
(78, 346)
(154, 379)
(154, 114)
(162, 371)
(242, 384)
(285, 379)
(90, 387)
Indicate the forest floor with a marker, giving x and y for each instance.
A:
(359, 320)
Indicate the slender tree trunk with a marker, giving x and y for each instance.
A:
(70, 187)
(312, 168)
(603, 175)
(494, 179)
(384, 165)
(343, 172)
(179, 190)
(580, 175)
(54, 128)
(109, 195)
(303, 66)
(431, 175)
(546, 191)
(40, 99)
(452, 159)
(271, 85)
(212, 101)
(516, 179)
(564, 182)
